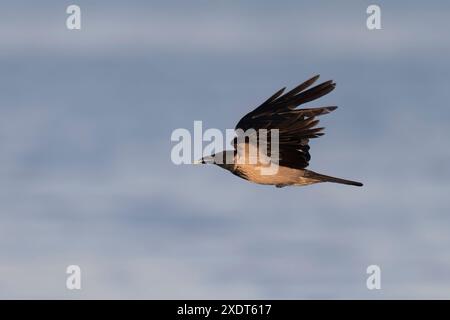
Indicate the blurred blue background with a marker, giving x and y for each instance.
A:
(85, 170)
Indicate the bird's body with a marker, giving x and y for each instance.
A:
(294, 127)
(285, 177)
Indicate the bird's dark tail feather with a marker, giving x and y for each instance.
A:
(324, 178)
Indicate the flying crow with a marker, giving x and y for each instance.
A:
(295, 128)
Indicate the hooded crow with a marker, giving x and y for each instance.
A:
(294, 128)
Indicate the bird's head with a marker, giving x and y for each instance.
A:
(224, 159)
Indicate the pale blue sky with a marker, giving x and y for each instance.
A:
(86, 176)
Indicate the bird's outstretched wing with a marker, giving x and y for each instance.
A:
(296, 126)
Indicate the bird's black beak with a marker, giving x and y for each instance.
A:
(200, 161)
(204, 160)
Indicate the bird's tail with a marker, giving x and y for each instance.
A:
(324, 178)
